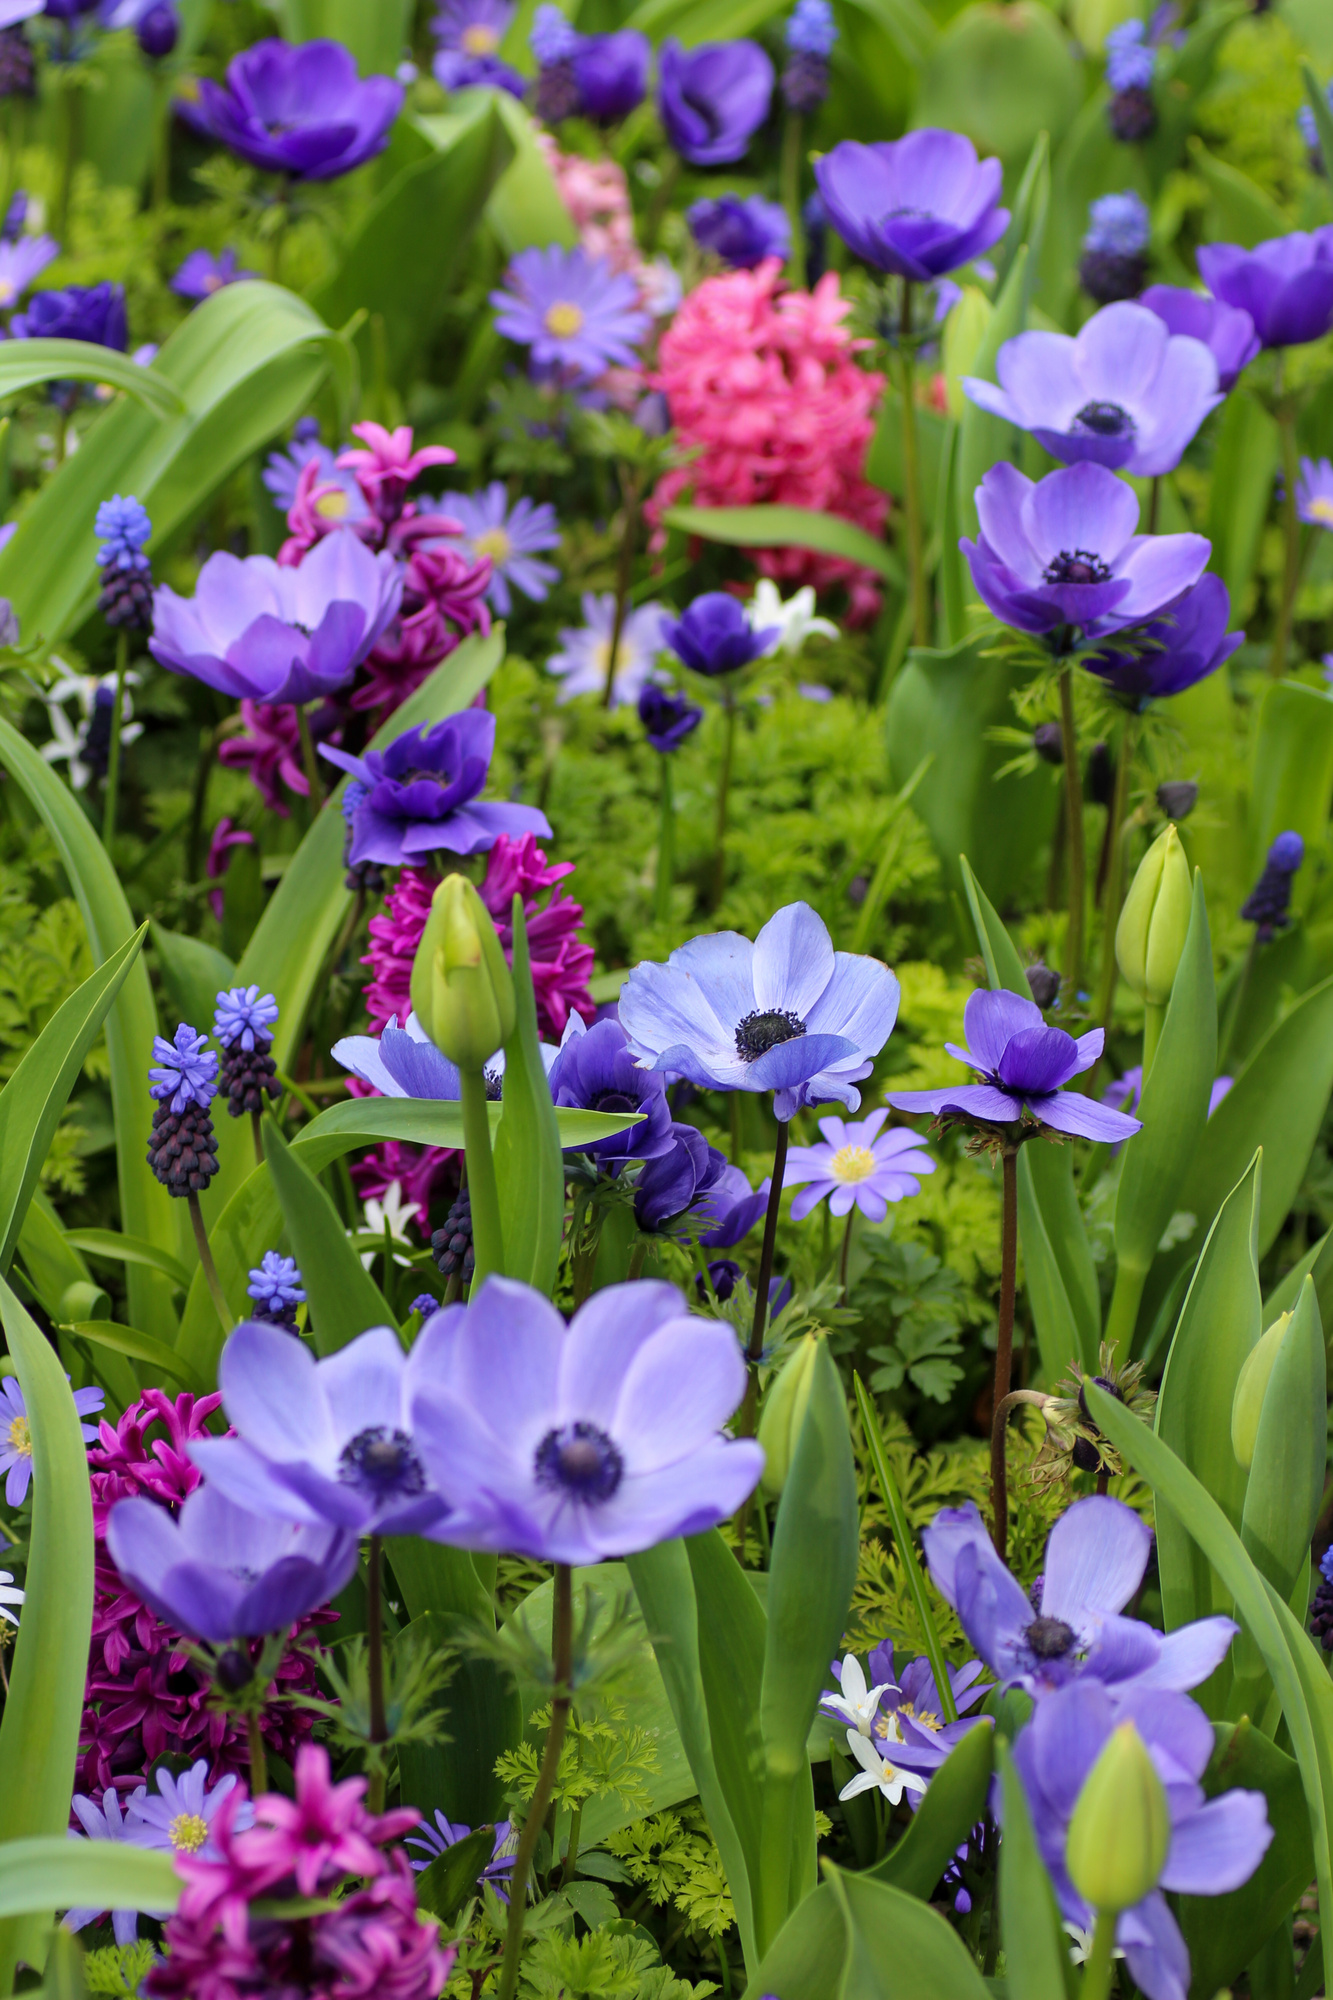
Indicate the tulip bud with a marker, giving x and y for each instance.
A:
(1121, 1829)
(783, 1413)
(462, 989)
(1150, 936)
(1251, 1387)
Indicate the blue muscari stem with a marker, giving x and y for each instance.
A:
(487, 1234)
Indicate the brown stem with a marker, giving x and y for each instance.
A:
(562, 1647)
(1004, 1351)
(756, 1347)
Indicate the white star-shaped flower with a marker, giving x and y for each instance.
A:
(856, 1704)
(795, 618)
(877, 1774)
(393, 1214)
(9, 1594)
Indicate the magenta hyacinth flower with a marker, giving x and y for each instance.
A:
(1124, 393)
(597, 1438)
(1285, 285)
(713, 98)
(919, 206)
(1314, 493)
(1227, 330)
(513, 537)
(855, 1167)
(202, 274)
(1063, 552)
(741, 232)
(16, 1434)
(421, 794)
(274, 633)
(1171, 653)
(575, 313)
(1023, 1063)
(300, 111)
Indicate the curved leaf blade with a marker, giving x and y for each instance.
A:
(787, 527)
(946, 1815)
(529, 1168)
(51, 1872)
(344, 1298)
(24, 364)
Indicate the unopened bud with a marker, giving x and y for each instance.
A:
(1044, 984)
(1121, 1829)
(1251, 1387)
(1049, 743)
(462, 989)
(784, 1410)
(1155, 921)
(234, 1670)
(1178, 797)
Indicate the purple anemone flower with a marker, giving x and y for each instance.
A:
(16, 1434)
(221, 1572)
(1124, 393)
(1023, 1063)
(667, 717)
(917, 206)
(574, 312)
(510, 536)
(469, 34)
(671, 1184)
(611, 72)
(855, 1167)
(1063, 552)
(1227, 330)
(421, 794)
(1095, 1559)
(21, 262)
(1285, 285)
(1216, 1844)
(786, 1013)
(95, 313)
(300, 111)
(714, 636)
(597, 1438)
(401, 1062)
(1171, 653)
(202, 274)
(725, 1207)
(596, 1071)
(434, 1840)
(274, 634)
(741, 232)
(713, 98)
(179, 1819)
(327, 1443)
(1314, 493)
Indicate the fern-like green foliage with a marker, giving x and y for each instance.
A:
(607, 1964)
(603, 1756)
(674, 1857)
(118, 1968)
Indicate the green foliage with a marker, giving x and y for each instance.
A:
(604, 1756)
(605, 1965)
(118, 1968)
(903, 1285)
(674, 1857)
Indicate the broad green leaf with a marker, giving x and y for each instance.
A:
(696, 21)
(1035, 1948)
(1316, 1263)
(1323, 117)
(32, 1101)
(138, 1346)
(52, 1872)
(193, 973)
(934, 443)
(954, 1803)
(529, 1167)
(787, 527)
(909, 27)
(120, 1249)
(451, 1878)
(984, 439)
(525, 209)
(1240, 211)
(1001, 76)
(39, 1732)
(1291, 786)
(1027, 228)
(58, 1274)
(376, 35)
(25, 364)
(344, 1299)
(859, 1939)
(1286, 1482)
(1243, 467)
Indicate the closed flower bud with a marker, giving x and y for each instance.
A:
(462, 990)
(1150, 936)
(783, 1413)
(1251, 1387)
(1121, 1829)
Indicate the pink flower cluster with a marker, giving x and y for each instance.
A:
(765, 389)
(371, 1945)
(144, 1697)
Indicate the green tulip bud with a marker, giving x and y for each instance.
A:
(1150, 936)
(462, 989)
(783, 1413)
(1251, 1388)
(1118, 1838)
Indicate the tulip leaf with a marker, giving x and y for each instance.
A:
(1291, 785)
(909, 27)
(1035, 1949)
(52, 1872)
(1286, 1482)
(120, 1249)
(59, 1276)
(137, 1346)
(1317, 1263)
(955, 1801)
(451, 1878)
(859, 1939)
(983, 438)
(788, 527)
(1241, 212)
(376, 36)
(1244, 463)
(25, 364)
(525, 209)
(193, 973)
(343, 1299)
(529, 1166)
(1323, 117)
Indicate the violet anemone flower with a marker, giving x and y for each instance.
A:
(421, 794)
(401, 1062)
(1124, 393)
(786, 1013)
(714, 636)
(918, 206)
(1227, 330)
(597, 1438)
(323, 1442)
(741, 232)
(575, 313)
(179, 1820)
(725, 1207)
(911, 1714)
(713, 98)
(434, 1840)
(1314, 493)
(667, 717)
(21, 262)
(1095, 1559)
(1285, 285)
(95, 313)
(585, 650)
(1062, 552)
(16, 1434)
(596, 1071)
(1023, 1063)
(300, 111)
(1171, 653)
(611, 72)
(202, 274)
(671, 1184)
(105, 1821)
(1216, 1844)
(856, 1167)
(510, 536)
(468, 34)
(221, 1572)
(277, 634)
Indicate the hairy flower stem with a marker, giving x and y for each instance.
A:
(1004, 1348)
(309, 759)
(629, 541)
(999, 1426)
(258, 1756)
(210, 1269)
(113, 755)
(487, 1237)
(666, 845)
(1115, 871)
(562, 1646)
(1291, 526)
(789, 184)
(379, 1731)
(916, 561)
(723, 788)
(1077, 871)
(1098, 1966)
(756, 1347)
(846, 1254)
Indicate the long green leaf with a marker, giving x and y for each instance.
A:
(1286, 1482)
(60, 1277)
(193, 973)
(907, 1555)
(529, 1167)
(1323, 117)
(127, 1340)
(1244, 463)
(344, 1298)
(109, 1243)
(984, 439)
(525, 209)
(1241, 211)
(954, 1803)
(787, 527)
(1035, 1952)
(52, 1872)
(24, 364)
(859, 1939)
(1291, 785)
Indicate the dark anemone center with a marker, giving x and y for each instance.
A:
(1103, 1382)
(1106, 420)
(1050, 1638)
(383, 1462)
(758, 1033)
(415, 777)
(580, 1458)
(1077, 566)
(612, 1101)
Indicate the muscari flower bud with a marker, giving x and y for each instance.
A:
(1268, 902)
(462, 989)
(1150, 936)
(1121, 1828)
(1251, 1387)
(1178, 797)
(783, 1413)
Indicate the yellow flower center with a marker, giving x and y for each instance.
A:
(1321, 510)
(20, 1437)
(7, 292)
(852, 1163)
(332, 506)
(493, 542)
(922, 1718)
(188, 1832)
(480, 41)
(564, 319)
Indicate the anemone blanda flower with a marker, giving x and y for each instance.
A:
(202, 274)
(435, 1839)
(179, 1820)
(511, 536)
(911, 1715)
(301, 111)
(573, 312)
(585, 650)
(468, 35)
(1227, 330)
(918, 206)
(103, 1820)
(1314, 493)
(16, 1434)
(1285, 284)
(421, 794)
(23, 261)
(713, 98)
(856, 1166)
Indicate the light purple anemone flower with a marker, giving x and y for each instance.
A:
(786, 1013)
(574, 313)
(1216, 1844)
(322, 1442)
(202, 274)
(16, 1434)
(1063, 552)
(1024, 1063)
(855, 1166)
(1095, 1559)
(1227, 330)
(421, 794)
(1124, 392)
(180, 1819)
(511, 537)
(105, 1821)
(21, 262)
(1285, 284)
(400, 1062)
(573, 1443)
(274, 634)
(918, 206)
(585, 650)
(1314, 493)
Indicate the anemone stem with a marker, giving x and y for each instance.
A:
(629, 539)
(912, 479)
(846, 1255)
(723, 789)
(1291, 527)
(666, 843)
(789, 177)
(309, 759)
(1004, 1350)
(375, 1667)
(1074, 848)
(562, 1647)
(756, 1347)
(258, 1755)
(1115, 870)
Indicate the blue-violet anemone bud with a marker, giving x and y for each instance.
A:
(714, 636)
(667, 717)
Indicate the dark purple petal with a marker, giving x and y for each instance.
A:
(1037, 1060)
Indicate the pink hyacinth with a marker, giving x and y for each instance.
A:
(444, 599)
(269, 746)
(226, 835)
(596, 194)
(387, 465)
(765, 389)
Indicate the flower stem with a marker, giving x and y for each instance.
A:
(1236, 1003)
(1291, 524)
(912, 479)
(1004, 1350)
(309, 759)
(846, 1253)
(629, 541)
(1073, 838)
(756, 1347)
(666, 843)
(723, 788)
(258, 1756)
(1154, 1015)
(789, 182)
(257, 1127)
(1123, 1312)
(1115, 872)
(210, 1268)
(1097, 1968)
(487, 1237)
(375, 1668)
(562, 1640)
(113, 755)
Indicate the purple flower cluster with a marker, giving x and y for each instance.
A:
(300, 111)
